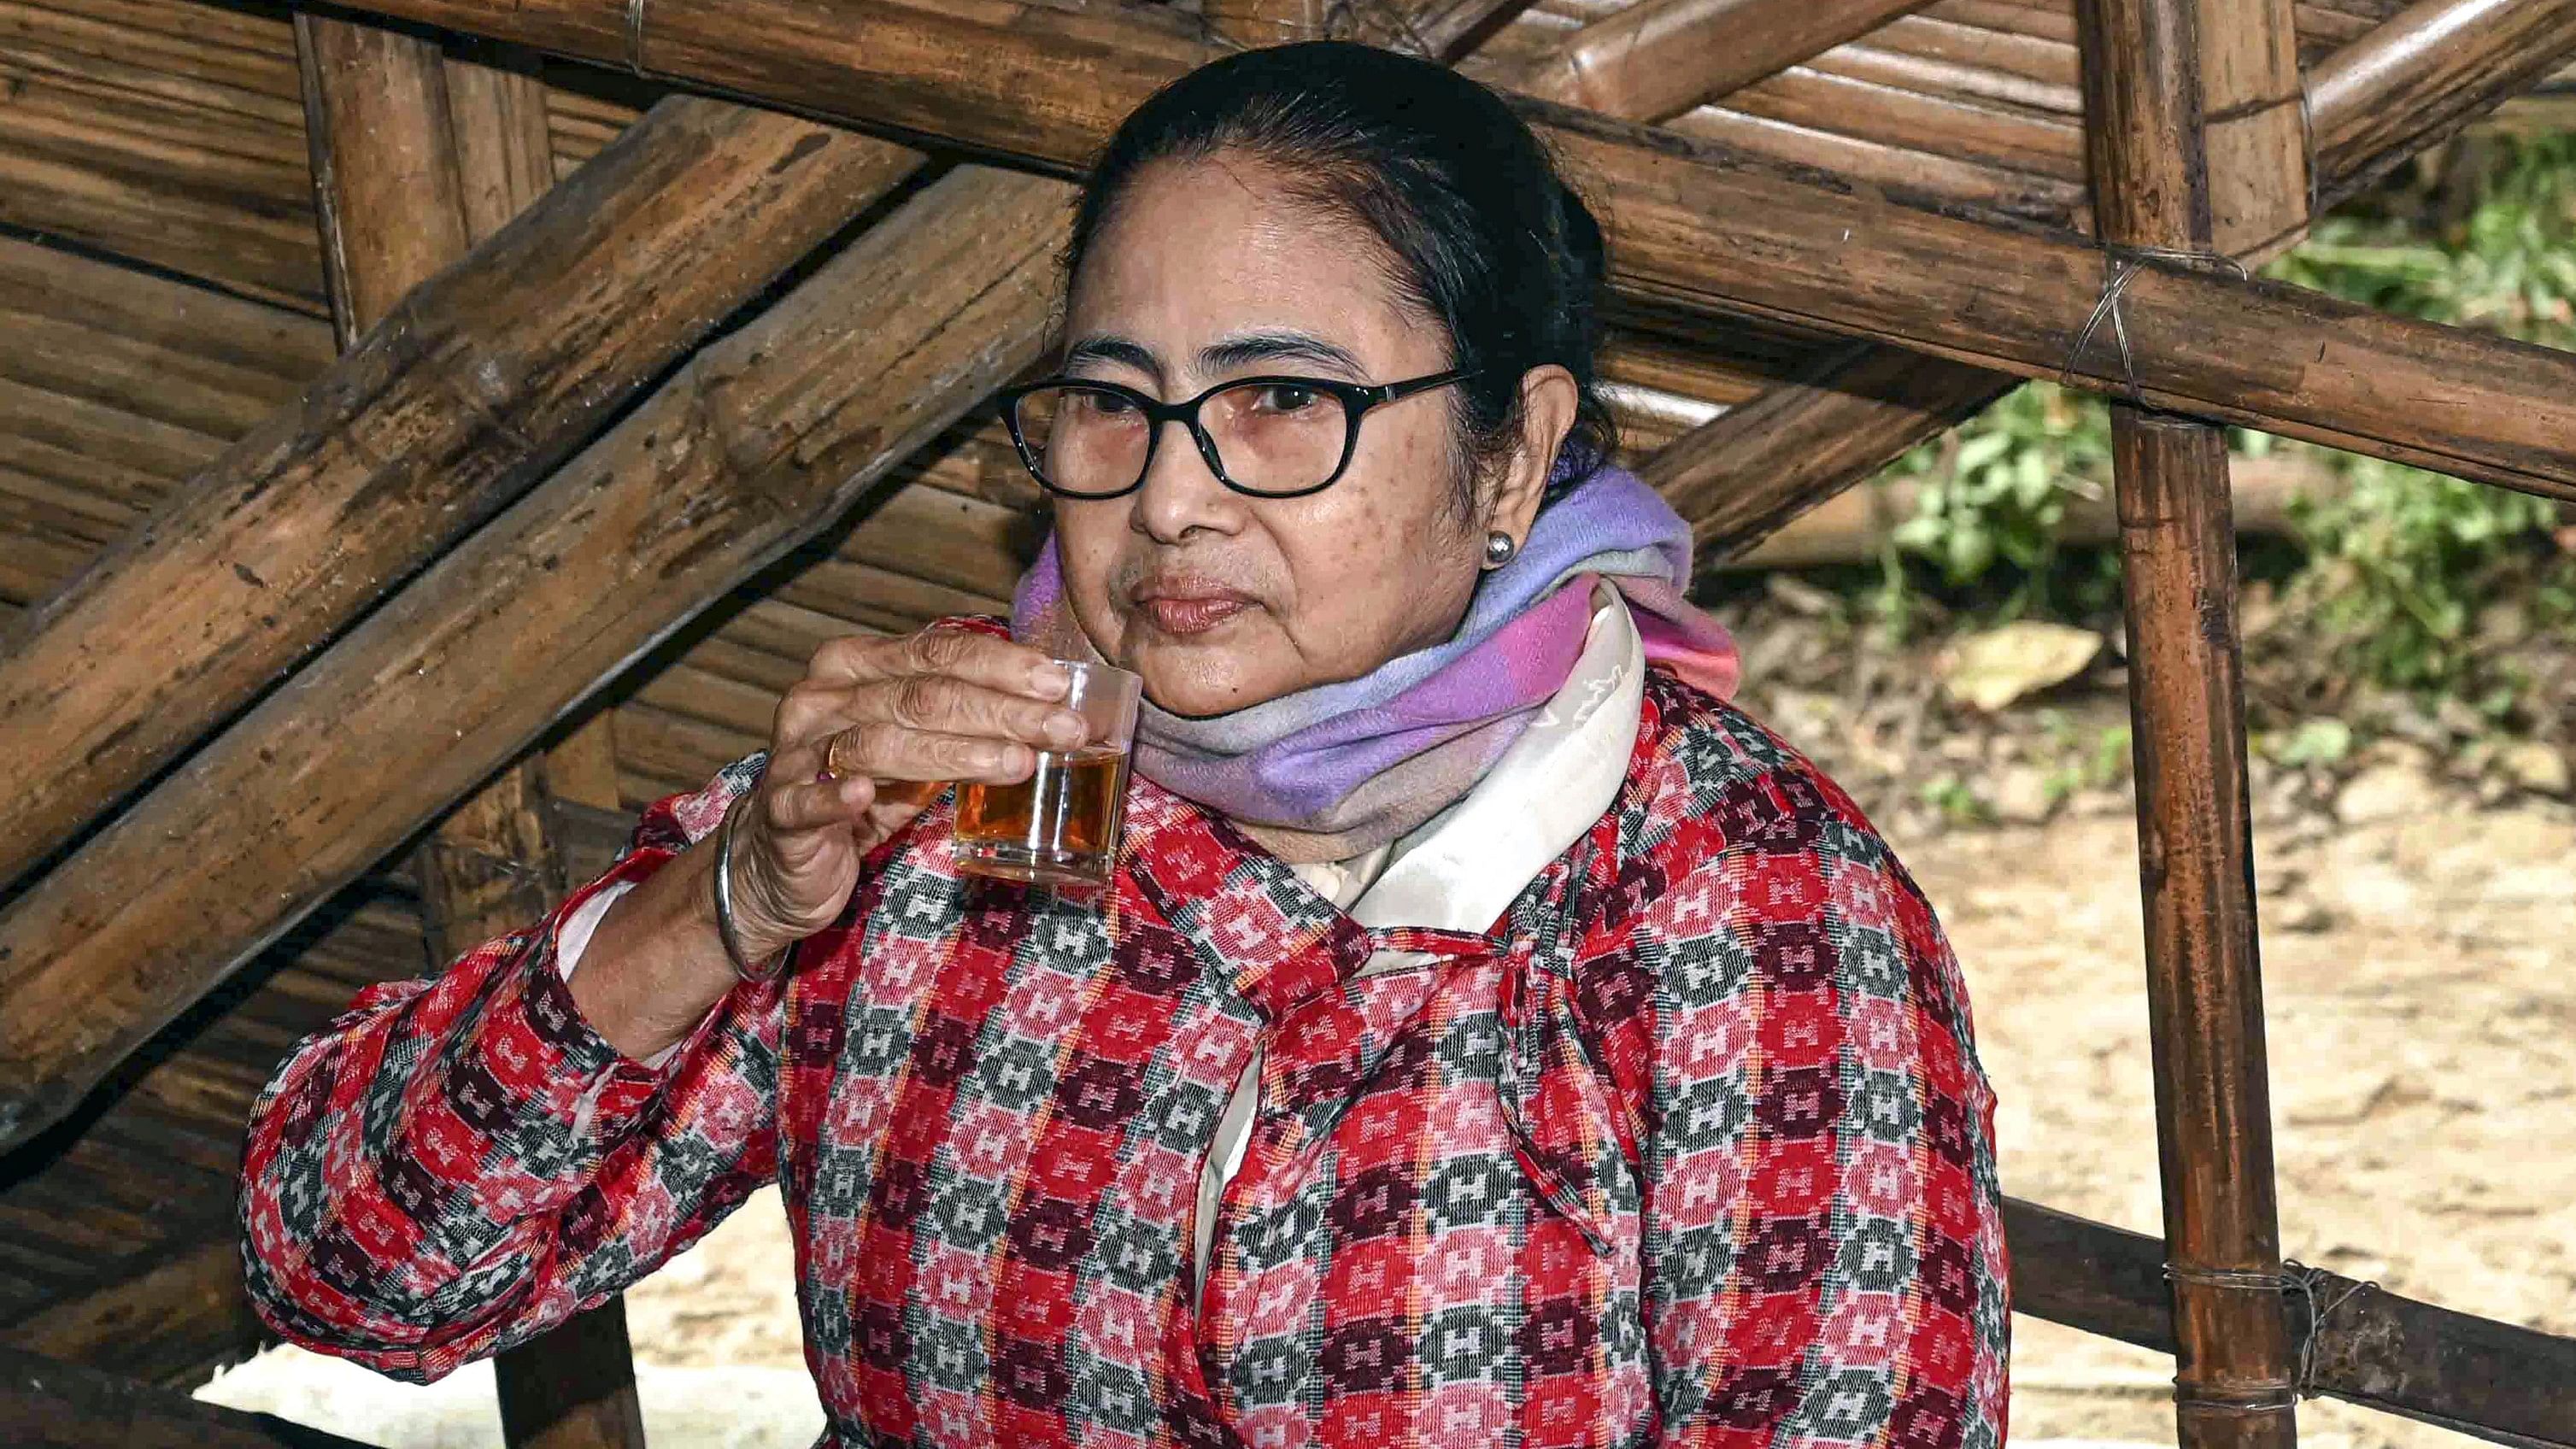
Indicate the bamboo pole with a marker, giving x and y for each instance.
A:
(470, 391)
(1699, 229)
(2152, 68)
(1659, 58)
(417, 158)
(385, 187)
(1757, 467)
(2425, 73)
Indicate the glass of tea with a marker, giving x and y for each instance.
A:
(1060, 826)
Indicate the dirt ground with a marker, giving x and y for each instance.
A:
(2422, 1009)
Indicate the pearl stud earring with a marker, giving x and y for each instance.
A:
(1499, 549)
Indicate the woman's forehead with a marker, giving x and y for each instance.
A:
(1198, 256)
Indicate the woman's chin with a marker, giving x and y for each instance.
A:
(1194, 679)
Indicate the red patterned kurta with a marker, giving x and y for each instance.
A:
(1692, 1148)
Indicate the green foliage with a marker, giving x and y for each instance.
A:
(2397, 565)
(1996, 491)
(2401, 561)
(2324, 741)
(2087, 760)
(1956, 802)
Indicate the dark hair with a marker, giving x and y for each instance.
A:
(1481, 232)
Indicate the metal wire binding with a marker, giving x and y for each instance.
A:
(2120, 263)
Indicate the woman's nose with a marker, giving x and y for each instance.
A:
(1181, 493)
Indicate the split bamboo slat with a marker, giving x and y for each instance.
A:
(2157, 73)
(116, 387)
(135, 127)
(172, 132)
(1425, 27)
(464, 397)
(418, 156)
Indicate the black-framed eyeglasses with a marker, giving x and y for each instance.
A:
(1269, 437)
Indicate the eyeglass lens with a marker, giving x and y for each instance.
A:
(1271, 437)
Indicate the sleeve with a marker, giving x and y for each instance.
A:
(572, 937)
(459, 1163)
(1823, 1246)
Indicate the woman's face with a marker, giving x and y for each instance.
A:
(1222, 601)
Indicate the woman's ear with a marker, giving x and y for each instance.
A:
(1549, 399)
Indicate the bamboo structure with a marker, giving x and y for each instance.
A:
(462, 398)
(416, 158)
(586, 487)
(2160, 71)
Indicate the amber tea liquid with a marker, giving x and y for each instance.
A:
(1058, 827)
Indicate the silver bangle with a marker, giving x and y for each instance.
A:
(724, 905)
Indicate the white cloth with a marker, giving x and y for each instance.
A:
(1456, 872)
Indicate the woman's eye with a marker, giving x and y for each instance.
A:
(1108, 404)
(1280, 397)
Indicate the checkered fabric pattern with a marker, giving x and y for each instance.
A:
(1691, 1149)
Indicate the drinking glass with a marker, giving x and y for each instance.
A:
(1061, 825)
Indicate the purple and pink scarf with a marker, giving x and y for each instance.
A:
(1330, 772)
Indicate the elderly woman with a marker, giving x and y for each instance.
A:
(1487, 1035)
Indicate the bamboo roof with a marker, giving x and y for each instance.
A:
(161, 292)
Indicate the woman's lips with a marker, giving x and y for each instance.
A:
(1182, 609)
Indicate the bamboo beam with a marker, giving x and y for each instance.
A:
(758, 444)
(195, 1291)
(46, 1404)
(1752, 469)
(468, 393)
(1859, 525)
(1699, 229)
(1441, 29)
(1658, 58)
(2151, 68)
(417, 158)
(2424, 74)
(2500, 1382)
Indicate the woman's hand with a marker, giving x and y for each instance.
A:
(896, 717)
(863, 743)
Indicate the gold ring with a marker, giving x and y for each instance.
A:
(832, 756)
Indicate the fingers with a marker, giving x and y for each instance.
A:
(795, 804)
(994, 663)
(882, 766)
(889, 753)
(931, 704)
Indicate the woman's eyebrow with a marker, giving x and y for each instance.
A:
(1115, 349)
(1236, 352)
